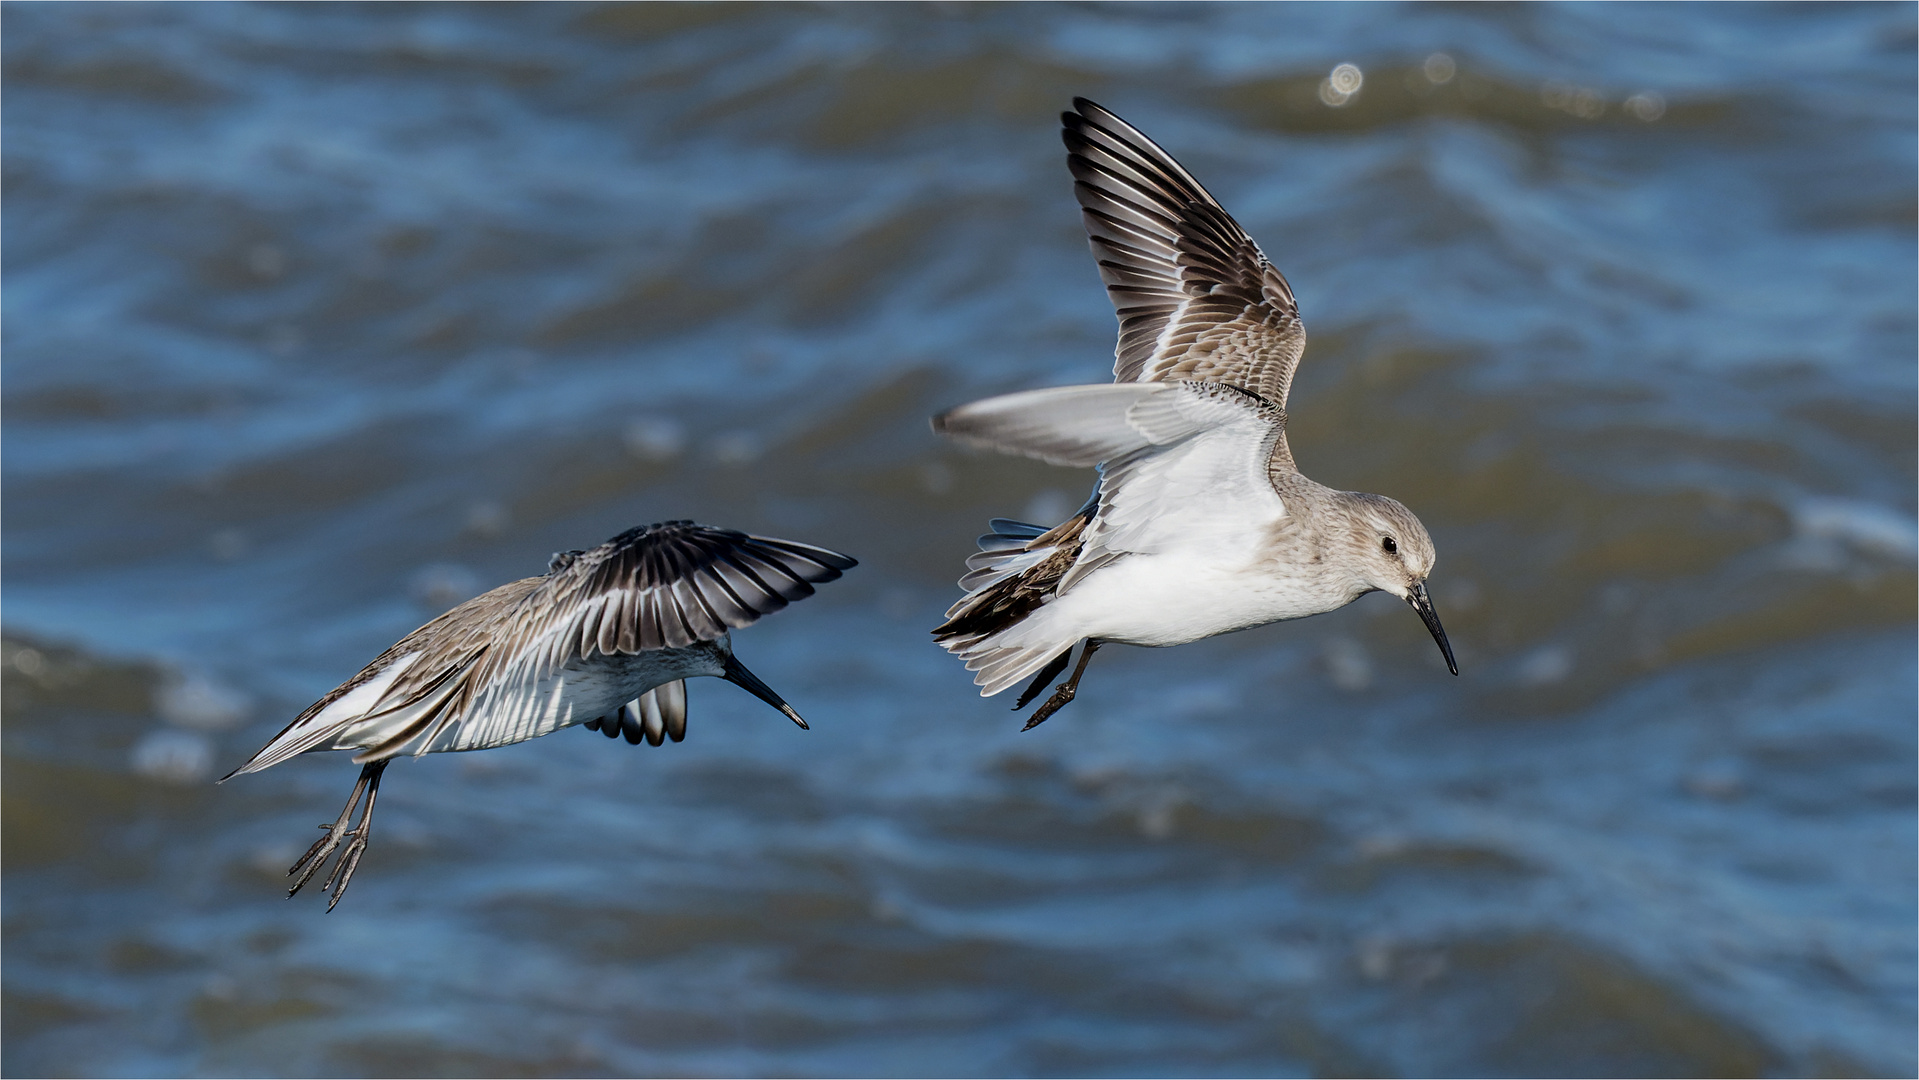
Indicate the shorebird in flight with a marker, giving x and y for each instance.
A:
(1201, 524)
(605, 638)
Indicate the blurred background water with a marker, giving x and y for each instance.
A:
(321, 319)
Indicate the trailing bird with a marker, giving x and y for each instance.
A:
(605, 639)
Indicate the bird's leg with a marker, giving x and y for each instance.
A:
(1064, 692)
(1046, 675)
(356, 845)
(322, 848)
(316, 856)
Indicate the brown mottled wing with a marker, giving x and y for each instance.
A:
(424, 676)
(1196, 298)
(662, 586)
(667, 586)
(654, 587)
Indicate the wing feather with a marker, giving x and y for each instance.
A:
(671, 698)
(1088, 425)
(754, 594)
(1195, 296)
(652, 724)
(1214, 481)
(778, 578)
(653, 718)
(633, 721)
(658, 586)
(1063, 425)
(470, 678)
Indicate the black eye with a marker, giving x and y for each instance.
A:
(1391, 545)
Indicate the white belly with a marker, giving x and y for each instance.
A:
(1174, 598)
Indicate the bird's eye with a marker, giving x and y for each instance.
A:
(1391, 545)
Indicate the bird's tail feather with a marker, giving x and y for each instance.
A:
(1002, 667)
(1004, 553)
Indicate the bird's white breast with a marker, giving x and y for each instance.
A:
(1174, 597)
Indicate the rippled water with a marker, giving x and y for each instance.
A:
(319, 319)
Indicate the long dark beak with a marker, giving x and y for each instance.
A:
(737, 674)
(1424, 605)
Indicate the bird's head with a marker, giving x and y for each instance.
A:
(1395, 554)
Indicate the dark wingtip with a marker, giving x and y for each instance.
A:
(1085, 111)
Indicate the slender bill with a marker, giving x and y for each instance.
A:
(1424, 605)
(737, 674)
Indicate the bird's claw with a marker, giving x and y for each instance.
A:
(1062, 694)
(356, 840)
(343, 870)
(310, 863)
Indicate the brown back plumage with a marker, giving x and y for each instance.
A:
(664, 586)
